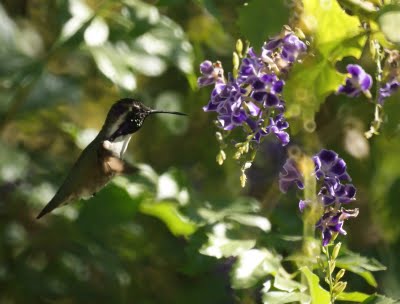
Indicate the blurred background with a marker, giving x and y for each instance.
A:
(165, 235)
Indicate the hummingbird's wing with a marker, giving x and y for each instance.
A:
(82, 181)
(92, 171)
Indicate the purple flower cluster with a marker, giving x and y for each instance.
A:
(330, 170)
(253, 100)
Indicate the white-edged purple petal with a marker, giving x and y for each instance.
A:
(290, 175)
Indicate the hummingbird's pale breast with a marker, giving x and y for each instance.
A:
(118, 146)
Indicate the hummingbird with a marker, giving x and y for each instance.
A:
(102, 159)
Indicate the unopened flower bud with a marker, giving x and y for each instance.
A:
(340, 274)
(339, 287)
(239, 47)
(221, 157)
(336, 250)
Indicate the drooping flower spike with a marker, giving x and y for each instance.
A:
(330, 171)
(253, 100)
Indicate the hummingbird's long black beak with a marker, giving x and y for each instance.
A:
(166, 112)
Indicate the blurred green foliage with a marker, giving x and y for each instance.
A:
(168, 234)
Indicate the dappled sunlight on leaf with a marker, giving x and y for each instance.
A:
(253, 265)
(219, 245)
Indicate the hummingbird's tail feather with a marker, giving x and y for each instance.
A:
(44, 211)
(53, 204)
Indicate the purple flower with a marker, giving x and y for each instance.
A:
(212, 73)
(330, 167)
(331, 223)
(359, 82)
(337, 193)
(303, 204)
(231, 120)
(290, 175)
(387, 90)
(250, 69)
(291, 47)
(265, 89)
(258, 128)
(277, 126)
(225, 98)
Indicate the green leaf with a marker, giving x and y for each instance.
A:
(280, 297)
(305, 97)
(168, 212)
(311, 82)
(379, 299)
(321, 18)
(260, 19)
(252, 265)
(360, 265)
(318, 294)
(288, 284)
(352, 296)
(222, 209)
(219, 245)
(252, 220)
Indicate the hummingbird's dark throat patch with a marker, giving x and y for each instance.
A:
(131, 124)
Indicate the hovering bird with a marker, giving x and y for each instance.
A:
(102, 159)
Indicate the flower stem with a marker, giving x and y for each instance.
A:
(378, 114)
(329, 271)
(312, 213)
(310, 249)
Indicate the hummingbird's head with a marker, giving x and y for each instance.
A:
(126, 116)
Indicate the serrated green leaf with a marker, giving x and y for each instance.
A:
(168, 212)
(252, 265)
(311, 82)
(318, 294)
(272, 15)
(307, 96)
(320, 18)
(352, 296)
(280, 297)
